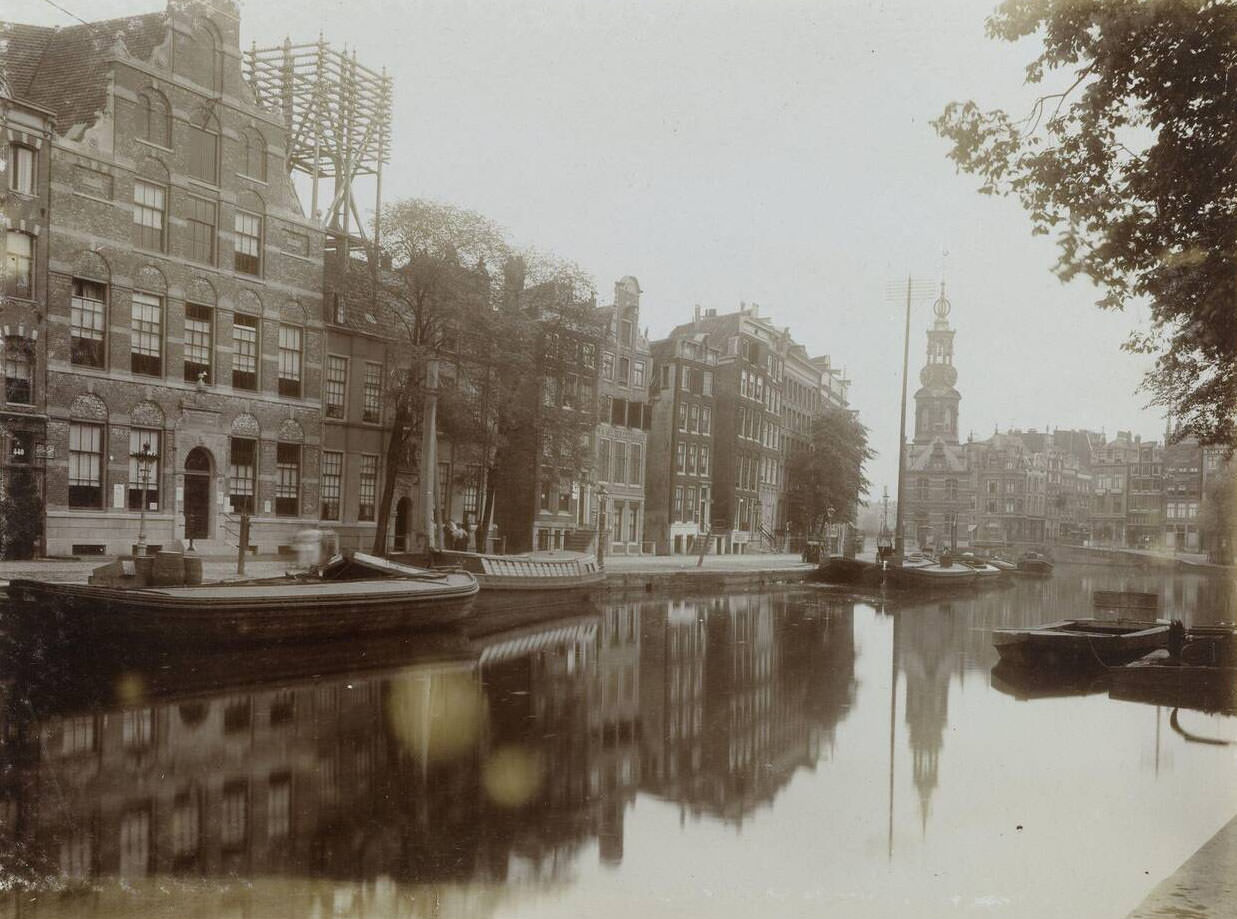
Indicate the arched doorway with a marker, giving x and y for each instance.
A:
(198, 467)
(403, 524)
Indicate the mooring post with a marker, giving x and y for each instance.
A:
(243, 543)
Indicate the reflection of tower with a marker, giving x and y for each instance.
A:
(928, 639)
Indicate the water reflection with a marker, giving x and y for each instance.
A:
(605, 760)
(494, 756)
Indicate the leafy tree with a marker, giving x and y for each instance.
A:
(829, 473)
(472, 319)
(1218, 517)
(21, 514)
(1132, 162)
(436, 282)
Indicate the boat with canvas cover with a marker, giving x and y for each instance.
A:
(351, 594)
(1080, 642)
(555, 571)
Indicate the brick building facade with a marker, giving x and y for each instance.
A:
(184, 288)
(25, 136)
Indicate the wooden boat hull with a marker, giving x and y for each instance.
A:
(1080, 642)
(1156, 680)
(1036, 568)
(262, 610)
(837, 569)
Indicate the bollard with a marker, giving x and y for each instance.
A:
(243, 547)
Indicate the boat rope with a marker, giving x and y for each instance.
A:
(1194, 738)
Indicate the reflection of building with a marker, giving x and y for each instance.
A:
(738, 693)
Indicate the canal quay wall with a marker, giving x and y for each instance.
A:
(624, 574)
(1134, 558)
(1206, 885)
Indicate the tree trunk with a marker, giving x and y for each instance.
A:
(395, 455)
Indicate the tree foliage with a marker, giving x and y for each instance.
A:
(1132, 163)
(471, 317)
(829, 474)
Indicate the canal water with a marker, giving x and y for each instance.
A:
(801, 752)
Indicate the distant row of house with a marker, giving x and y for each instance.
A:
(1030, 488)
(174, 356)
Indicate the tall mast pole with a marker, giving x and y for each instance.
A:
(899, 543)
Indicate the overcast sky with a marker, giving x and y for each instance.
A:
(760, 150)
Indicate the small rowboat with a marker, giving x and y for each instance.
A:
(1080, 642)
(351, 595)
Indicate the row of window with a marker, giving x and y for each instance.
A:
(87, 480)
(87, 325)
(753, 471)
(202, 139)
(695, 418)
(136, 836)
(335, 389)
(691, 505)
(201, 216)
(691, 459)
(624, 414)
(625, 371)
(620, 462)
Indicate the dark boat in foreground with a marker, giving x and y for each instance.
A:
(352, 594)
(1201, 674)
(1080, 642)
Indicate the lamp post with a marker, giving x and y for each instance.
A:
(602, 500)
(144, 456)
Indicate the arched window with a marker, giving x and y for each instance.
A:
(254, 164)
(153, 120)
(203, 132)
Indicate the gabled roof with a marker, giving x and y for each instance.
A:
(66, 69)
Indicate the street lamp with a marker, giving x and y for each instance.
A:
(144, 458)
(602, 499)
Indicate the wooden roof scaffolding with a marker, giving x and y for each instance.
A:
(338, 116)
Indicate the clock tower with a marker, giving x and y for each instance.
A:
(936, 402)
